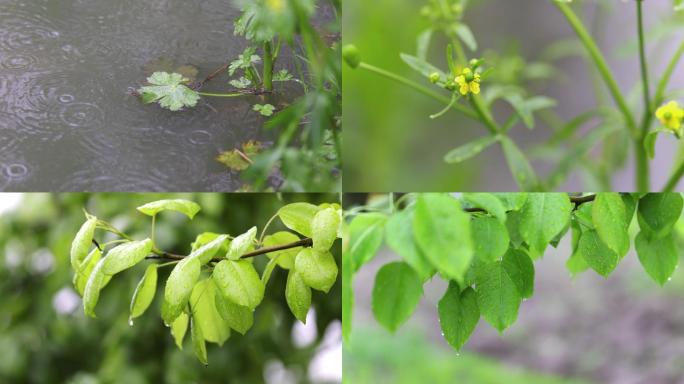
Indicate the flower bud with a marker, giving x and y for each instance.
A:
(434, 77)
(351, 55)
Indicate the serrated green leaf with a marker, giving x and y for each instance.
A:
(610, 220)
(490, 238)
(324, 229)
(82, 243)
(81, 276)
(239, 282)
(543, 216)
(520, 167)
(489, 202)
(396, 294)
(144, 292)
(658, 256)
(241, 244)
(297, 295)
(198, 345)
(399, 237)
(596, 253)
(186, 207)
(469, 150)
(442, 231)
(205, 314)
(520, 269)
(365, 237)
(458, 314)
(169, 90)
(238, 317)
(178, 329)
(497, 295)
(125, 256)
(658, 212)
(285, 257)
(179, 287)
(298, 217)
(317, 269)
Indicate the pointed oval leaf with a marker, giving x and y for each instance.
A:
(519, 267)
(396, 294)
(365, 237)
(458, 314)
(610, 220)
(205, 314)
(324, 229)
(82, 243)
(489, 202)
(125, 256)
(658, 256)
(239, 282)
(298, 296)
(207, 251)
(399, 234)
(490, 238)
(241, 244)
(658, 212)
(198, 345)
(596, 253)
(544, 216)
(286, 257)
(520, 167)
(236, 316)
(469, 150)
(178, 329)
(81, 276)
(186, 207)
(144, 292)
(317, 269)
(497, 295)
(91, 293)
(442, 231)
(179, 287)
(298, 217)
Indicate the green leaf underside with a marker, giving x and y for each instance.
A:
(458, 314)
(396, 294)
(298, 217)
(125, 256)
(186, 207)
(324, 229)
(144, 292)
(198, 344)
(399, 237)
(489, 202)
(81, 276)
(596, 253)
(82, 243)
(297, 295)
(238, 317)
(178, 329)
(490, 238)
(658, 256)
(449, 251)
(497, 295)
(205, 315)
(658, 212)
(241, 244)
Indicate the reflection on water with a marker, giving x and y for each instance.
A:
(67, 119)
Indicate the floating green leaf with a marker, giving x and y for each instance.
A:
(317, 269)
(396, 294)
(144, 292)
(239, 282)
(186, 207)
(298, 296)
(449, 251)
(458, 314)
(169, 90)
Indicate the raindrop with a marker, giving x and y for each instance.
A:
(130, 322)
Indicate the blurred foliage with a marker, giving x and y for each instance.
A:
(409, 357)
(39, 344)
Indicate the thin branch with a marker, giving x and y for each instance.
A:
(305, 242)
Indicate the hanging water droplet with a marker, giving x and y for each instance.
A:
(130, 322)
(458, 354)
(669, 278)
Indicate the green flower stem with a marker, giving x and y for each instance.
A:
(221, 94)
(644, 64)
(600, 63)
(484, 114)
(667, 75)
(268, 67)
(424, 90)
(675, 178)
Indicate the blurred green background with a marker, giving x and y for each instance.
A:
(625, 329)
(392, 145)
(46, 338)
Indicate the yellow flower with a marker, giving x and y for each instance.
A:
(468, 82)
(671, 116)
(275, 5)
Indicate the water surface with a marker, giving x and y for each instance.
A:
(67, 119)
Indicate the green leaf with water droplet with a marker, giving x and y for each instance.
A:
(610, 220)
(298, 217)
(82, 243)
(596, 253)
(125, 256)
(179, 287)
(396, 294)
(207, 251)
(489, 202)
(324, 229)
(497, 295)
(91, 293)
(239, 282)
(658, 212)
(458, 314)
(237, 317)
(658, 256)
(178, 329)
(544, 216)
(317, 269)
(285, 257)
(186, 207)
(241, 244)
(170, 91)
(205, 313)
(298, 296)
(490, 238)
(81, 276)
(144, 292)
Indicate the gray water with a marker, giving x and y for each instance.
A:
(68, 121)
